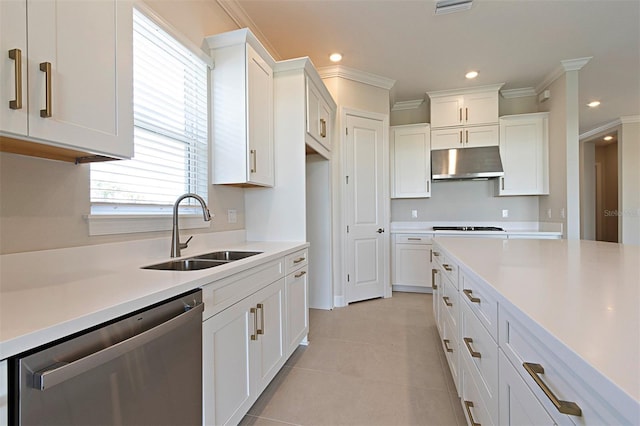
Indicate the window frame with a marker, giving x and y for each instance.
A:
(105, 219)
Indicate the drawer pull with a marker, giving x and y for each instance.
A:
(468, 405)
(298, 260)
(16, 55)
(446, 301)
(446, 345)
(436, 254)
(323, 128)
(255, 323)
(469, 295)
(433, 279)
(45, 67)
(414, 239)
(565, 407)
(299, 274)
(447, 267)
(468, 341)
(261, 307)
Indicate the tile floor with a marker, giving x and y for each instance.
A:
(377, 362)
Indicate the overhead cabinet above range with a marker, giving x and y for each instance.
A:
(464, 107)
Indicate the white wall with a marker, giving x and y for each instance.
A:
(629, 161)
(42, 202)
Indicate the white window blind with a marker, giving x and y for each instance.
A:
(170, 129)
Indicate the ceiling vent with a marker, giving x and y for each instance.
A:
(450, 6)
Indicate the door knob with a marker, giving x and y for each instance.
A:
(380, 230)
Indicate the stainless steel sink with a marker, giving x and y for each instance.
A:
(227, 255)
(203, 261)
(186, 265)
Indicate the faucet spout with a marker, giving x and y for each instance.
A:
(176, 245)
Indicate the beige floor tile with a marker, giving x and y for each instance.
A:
(250, 420)
(377, 362)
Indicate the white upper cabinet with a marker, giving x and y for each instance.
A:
(69, 65)
(524, 150)
(410, 161)
(465, 107)
(319, 116)
(242, 99)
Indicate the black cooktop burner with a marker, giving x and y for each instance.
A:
(467, 228)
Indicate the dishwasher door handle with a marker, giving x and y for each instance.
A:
(62, 371)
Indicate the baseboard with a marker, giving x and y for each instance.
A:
(339, 301)
(412, 289)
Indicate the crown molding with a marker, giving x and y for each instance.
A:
(405, 105)
(356, 75)
(453, 92)
(627, 119)
(518, 93)
(238, 15)
(565, 65)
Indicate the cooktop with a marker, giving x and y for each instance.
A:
(467, 228)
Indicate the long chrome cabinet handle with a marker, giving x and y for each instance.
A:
(16, 55)
(446, 345)
(565, 407)
(46, 379)
(468, 405)
(433, 279)
(446, 301)
(468, 341)
(469, 293)
(254, 162)
(45, 67)
(260, 306)
(253, 311)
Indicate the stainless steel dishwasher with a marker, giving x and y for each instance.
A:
(142, 369)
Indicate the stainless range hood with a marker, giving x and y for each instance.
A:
(466, 163)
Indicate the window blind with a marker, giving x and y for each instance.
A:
(170, 129)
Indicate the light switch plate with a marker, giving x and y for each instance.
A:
(414, 214)
(505, 213)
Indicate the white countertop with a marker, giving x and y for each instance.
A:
(586, 294)
(45, 296)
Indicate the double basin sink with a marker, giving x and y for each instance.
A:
(203, 261)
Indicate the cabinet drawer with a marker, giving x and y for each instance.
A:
(482, 301)
(226, 292)
(567, 376)
(518, 405)
(474, 407)
(451, 348)
(480, 353)
(296, 260)
(413, 239)
(449, 302)
(448, 268)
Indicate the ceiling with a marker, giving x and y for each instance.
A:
(520, 43)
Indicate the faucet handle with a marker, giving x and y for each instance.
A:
(186, 243)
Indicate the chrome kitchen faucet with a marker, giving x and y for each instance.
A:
(176, 245)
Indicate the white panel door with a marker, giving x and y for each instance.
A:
(411, 162)
(270, 345)
(446, 111)
(447, 138)
(366, 215)
(481, 108)
(481, 136)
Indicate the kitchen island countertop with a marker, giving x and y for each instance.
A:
(585, 294)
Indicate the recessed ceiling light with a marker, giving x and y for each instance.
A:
(593, 104)
(471, 74)
(335, 57)
(608, 138)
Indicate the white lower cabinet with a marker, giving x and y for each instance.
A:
(411, 262)
(243, 349)
(518, 405)
(474, 407)
(254, 321)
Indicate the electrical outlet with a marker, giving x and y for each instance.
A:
(505, 213)
(232, 216)
(414, 214)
